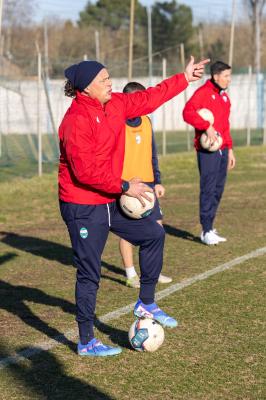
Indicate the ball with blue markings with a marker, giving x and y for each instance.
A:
(133, 208)
(146, 335)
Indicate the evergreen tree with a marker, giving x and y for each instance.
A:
(172, 24)
(113, 14)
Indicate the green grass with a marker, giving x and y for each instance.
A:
(20, 152)
(218, 352)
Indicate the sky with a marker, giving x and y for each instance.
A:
(207, 10)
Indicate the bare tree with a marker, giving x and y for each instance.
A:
(16, 13)
(255, 11)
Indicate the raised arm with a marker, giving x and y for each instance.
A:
(147, 101)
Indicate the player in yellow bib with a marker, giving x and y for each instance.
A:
(140, 161)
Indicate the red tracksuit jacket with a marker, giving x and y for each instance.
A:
(92, 141)
(208, 96)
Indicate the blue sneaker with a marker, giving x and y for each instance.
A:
(95, 348)
(142, 310)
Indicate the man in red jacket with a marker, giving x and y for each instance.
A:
(92, 143)
(212, 166)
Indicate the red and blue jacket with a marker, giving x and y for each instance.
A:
(92, 141)
(217, 101)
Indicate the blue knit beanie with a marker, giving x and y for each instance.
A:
(82, 74)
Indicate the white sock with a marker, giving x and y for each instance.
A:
(130, 272)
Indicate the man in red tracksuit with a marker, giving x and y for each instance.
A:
(92, 143)
(212, 166)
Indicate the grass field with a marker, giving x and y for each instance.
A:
(19, 153)
(218, 352)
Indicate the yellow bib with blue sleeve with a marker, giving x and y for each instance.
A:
(138, 152)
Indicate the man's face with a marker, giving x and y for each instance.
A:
(101, 87)
(223, 79)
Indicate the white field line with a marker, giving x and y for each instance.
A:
(49, 344)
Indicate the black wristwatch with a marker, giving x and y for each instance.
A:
(125, 186)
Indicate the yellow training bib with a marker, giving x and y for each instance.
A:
(138, 152)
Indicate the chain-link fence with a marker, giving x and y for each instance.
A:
(31, 111)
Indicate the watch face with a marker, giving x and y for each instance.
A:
(125, 186)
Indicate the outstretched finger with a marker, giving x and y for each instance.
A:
(203, 62)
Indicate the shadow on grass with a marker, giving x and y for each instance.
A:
(44, 377)
(51, 251)
(39, 247)
(113, 268)
(13, 298)
(7, 257)
(117, 336)
(171, 230)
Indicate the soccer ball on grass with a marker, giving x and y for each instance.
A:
(146, 334)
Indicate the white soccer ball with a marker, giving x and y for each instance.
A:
(205, 142)
(207, 115)
(146, 335)
(133, 208)
(209, 145)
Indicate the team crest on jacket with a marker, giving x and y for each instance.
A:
(83, 233)
(138, 139)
